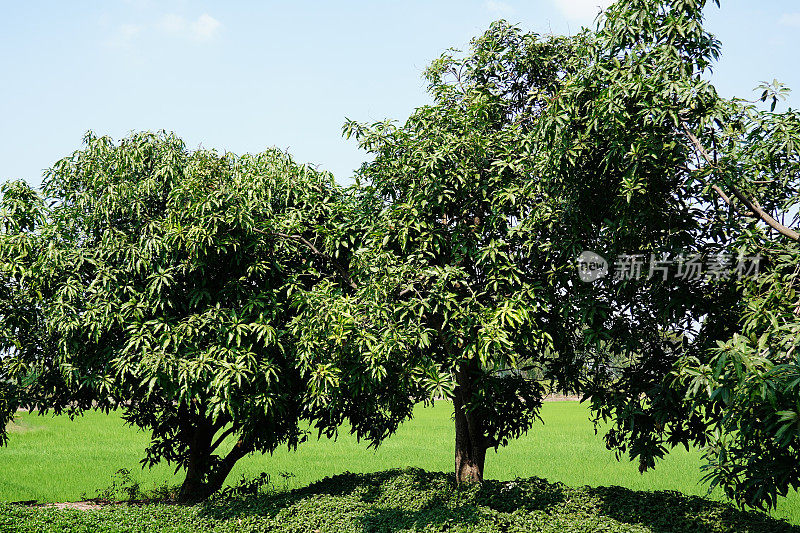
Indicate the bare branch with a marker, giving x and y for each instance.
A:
(750, 204)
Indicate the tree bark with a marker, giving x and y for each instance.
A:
(198, 464)
(205, 474)
(471, 446)
(220, 474)
(193, 488)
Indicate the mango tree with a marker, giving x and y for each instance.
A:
(455, 295)
(709, 361)
(747, 386)
(159, 281)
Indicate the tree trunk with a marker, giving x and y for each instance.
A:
(206, 474)
(220, 474)
(470, 438)
(193, 489)
(199, 462)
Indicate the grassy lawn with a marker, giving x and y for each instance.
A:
(53, 459)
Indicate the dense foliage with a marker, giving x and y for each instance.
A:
(750, 383)
(534, 150)
(709, 361)
(160, 281)
(213, 296)
(21, 210)
(614, 152)
(455, 286)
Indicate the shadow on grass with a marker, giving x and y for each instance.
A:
(415, 499)
(670, 511)
(373, 500)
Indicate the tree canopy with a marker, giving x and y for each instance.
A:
(222, 302)
(709, 362)
(160, 282)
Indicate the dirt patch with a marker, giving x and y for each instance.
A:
(78, 506)
(90, 505)
(16, 426)
(561, 398)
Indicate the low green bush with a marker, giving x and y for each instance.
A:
(411, 500)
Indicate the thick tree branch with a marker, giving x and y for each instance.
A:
(314, 250)
(404, 292)
(750, 204)
(221, 438)
(217, 477)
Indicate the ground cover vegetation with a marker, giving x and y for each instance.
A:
(413, 500)
(52, 461)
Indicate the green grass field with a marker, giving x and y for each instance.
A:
(55, 459)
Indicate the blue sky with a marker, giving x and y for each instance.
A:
(243, 76)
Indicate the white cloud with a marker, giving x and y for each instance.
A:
(582, 10)
(790, 19)
(129, 31)
(123, 35)
(498, 7)
(172, 24)
(201, 29)
(205, 27)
